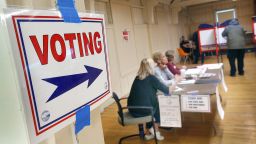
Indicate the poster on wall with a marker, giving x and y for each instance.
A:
(61, 67)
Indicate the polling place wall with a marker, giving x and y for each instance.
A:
(205, 13)
(144, 39)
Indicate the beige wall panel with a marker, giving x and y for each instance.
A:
(92, 134)
(64, 136)
(126, 82)
(113, 61)
(43, 4)
(126, 50)
(142, 42)
(19, 3)
(137, 14)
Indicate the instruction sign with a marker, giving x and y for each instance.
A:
(170, 115)
(61, 66)
(195, 103)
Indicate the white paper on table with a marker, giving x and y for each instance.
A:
(219, 106)
(194, 71)
(187, 81)
(195, 103)
(170, 115)
(223, 81)
(192, 92)
(211, 66)
(178, 89)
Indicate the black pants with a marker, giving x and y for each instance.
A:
(234, 54)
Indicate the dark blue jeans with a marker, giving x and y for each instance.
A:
(156, 116)
(234, 54)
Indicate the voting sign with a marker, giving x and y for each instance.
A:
(61, 66)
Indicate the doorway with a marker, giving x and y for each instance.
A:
(224, 15)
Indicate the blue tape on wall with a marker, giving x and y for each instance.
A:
(82, 118)
(68, 11)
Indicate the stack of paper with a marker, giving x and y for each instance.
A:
(187, 82)
(211, 66)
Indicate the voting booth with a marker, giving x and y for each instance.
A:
(62, 67)
(254, 28)
(211, 39)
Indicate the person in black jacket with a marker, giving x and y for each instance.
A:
(143, 93)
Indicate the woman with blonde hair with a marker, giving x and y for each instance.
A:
(162, 72)
(143, 93)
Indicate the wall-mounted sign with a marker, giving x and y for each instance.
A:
(61, 66)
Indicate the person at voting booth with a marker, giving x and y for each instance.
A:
(143, 93)
(236, 42)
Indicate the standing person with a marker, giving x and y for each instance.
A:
(143, 93)
(196, 51)
(236, 42)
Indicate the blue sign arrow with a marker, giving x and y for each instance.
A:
(66, 83)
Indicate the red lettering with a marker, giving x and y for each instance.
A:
(57, 38)
(79, 40)
(71, 37)
(42, 54)
(97, 44)
(88, 43)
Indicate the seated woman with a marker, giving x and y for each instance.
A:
(161, 71)
(143, 93)
(170, 65)
(184, 44)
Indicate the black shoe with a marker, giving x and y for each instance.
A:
(232, 75)
(242, 73)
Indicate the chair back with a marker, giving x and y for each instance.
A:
(120, 110)
(181, 52)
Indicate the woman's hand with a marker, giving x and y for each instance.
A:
(172, 88)
(178, 78)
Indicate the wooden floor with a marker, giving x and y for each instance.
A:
(238, 126)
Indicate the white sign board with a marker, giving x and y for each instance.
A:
(207, 40)
(254, 28)
(207, 37)
(61, 66)
(195, 103)
(169, 111)
(220, 39)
